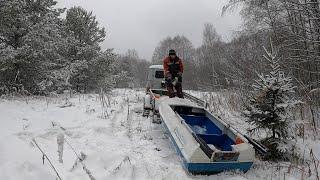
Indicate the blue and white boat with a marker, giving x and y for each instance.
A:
(206, 144)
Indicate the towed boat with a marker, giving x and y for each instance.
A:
(206, 144)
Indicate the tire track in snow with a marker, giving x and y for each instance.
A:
(147, 144)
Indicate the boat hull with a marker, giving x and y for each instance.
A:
(214, 168)
(207, 168)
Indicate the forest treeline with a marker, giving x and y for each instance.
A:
(292, 26)
(46, 49)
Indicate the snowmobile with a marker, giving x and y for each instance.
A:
(156, 92)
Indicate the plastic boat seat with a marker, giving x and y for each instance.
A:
(222, 142)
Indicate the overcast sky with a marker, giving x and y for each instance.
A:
(141, 24)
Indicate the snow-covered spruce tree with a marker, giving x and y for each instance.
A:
(101, 71)
(270, 109)
(84, 28)
(29, 34)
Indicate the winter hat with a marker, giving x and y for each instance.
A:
(172, 52)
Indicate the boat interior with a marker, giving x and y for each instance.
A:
(204, 128)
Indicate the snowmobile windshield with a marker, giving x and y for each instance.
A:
(159, 74)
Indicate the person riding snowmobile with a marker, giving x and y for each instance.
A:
(173, 70)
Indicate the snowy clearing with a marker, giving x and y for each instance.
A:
(113, 143)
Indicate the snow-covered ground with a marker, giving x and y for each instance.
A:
(117, 142)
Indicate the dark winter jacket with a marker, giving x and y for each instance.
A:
(172, 66)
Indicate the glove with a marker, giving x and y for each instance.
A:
(168, 76)
(168, 79)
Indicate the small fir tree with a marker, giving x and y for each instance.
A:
(270, 109)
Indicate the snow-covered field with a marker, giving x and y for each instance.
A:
(117, 142)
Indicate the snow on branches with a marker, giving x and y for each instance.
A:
(270, 107)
